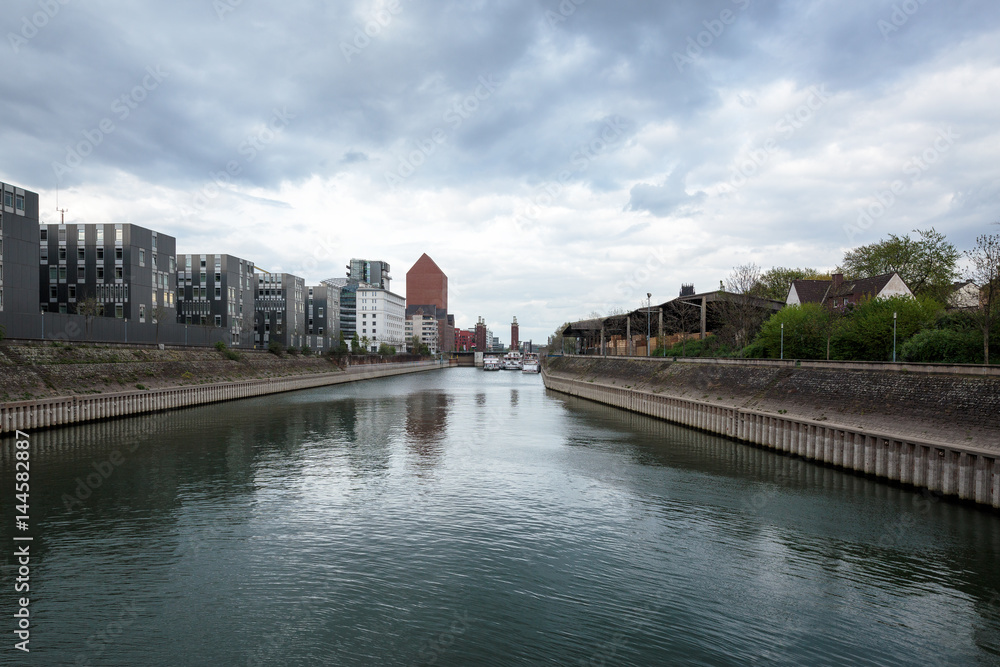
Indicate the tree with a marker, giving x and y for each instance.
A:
(355, 344)
(158, 314)
(774, 283)
(928, 265)
(415, 344)
(740, 313)
(366, 344)
(682, 317)
(89, 308)
(985, 272)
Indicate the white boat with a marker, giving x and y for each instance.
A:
(512, 361)
(491, 364)
(531, 364)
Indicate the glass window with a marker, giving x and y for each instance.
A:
(81, 273)
(100, 252)
(118, 236)
(62, 253)
(81, 235)
(19, 202)
(218, 292)
(119, 253)
(81, 254)
(8, 198)
(142, 257)
(100, 233)
(71, 291)
(218, 320)
(44, 232)
(154, 241)
(100, 273)
(53, 272)
(43, 253)
(118, 273)
(62, 273)
(53, 293)
(119, 311)
(142, 312)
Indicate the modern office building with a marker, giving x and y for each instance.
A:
(427, 285)
(322, 317)
(425, 326)
(116, 270)
(380, 315)
(19, 252)
(369, 272)
(218, 291)
(279, 309)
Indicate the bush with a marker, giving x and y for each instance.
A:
(232, 355)
(866, 332)
(275, 348)
(294, 351)
(807, 326)
(306, 351)
(386, 350)
(946, 346)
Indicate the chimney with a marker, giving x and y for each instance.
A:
(838, 279)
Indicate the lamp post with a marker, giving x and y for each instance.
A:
(894, 338)
(782, 340)
(126, 329)
(649, 295)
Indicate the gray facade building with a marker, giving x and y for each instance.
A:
(217, 290)
(124, 270)
(18, 252)
(369, 272)
(279, 309)
(322, 317)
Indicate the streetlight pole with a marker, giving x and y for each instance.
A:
(649, 295)
(782, 340)
(894, 338)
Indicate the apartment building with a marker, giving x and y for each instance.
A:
(218, 291)
(279, 309)
(19, 251)
(116, 270)
(322, 317)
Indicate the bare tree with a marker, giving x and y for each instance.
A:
(985, 273)
(158, 314)
(90, 308)
(682, 317)
(740, 310)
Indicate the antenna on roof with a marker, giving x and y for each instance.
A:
(61, 211)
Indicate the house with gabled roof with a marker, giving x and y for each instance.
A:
(839, 293)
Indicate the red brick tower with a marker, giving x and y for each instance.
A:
(427, 285)
(514, 340)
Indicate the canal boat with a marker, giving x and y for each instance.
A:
(531, 364)
(491, 364)
(512, 361)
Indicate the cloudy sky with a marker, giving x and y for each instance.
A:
(554, 158)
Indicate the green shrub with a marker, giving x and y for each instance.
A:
(866, 332)
(232, 355)
(945, 346)
(806, 329)
(275, 348)
(306, 351)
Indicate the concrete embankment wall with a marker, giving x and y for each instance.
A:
(951, 468)
(61, 411)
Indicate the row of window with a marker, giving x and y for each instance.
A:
(60, 273)
(11, 200)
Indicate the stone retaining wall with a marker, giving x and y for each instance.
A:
(51, 412)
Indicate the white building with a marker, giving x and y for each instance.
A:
(426, 327)
(380, 317)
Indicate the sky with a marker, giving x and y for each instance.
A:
(555, 158)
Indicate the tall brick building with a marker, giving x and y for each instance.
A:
(426, 286)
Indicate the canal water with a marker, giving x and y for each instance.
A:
(458, 517)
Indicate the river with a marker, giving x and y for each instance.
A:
(459, 517)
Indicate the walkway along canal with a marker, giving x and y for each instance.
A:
(962, 471)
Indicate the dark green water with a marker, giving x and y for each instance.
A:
(468, 518)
